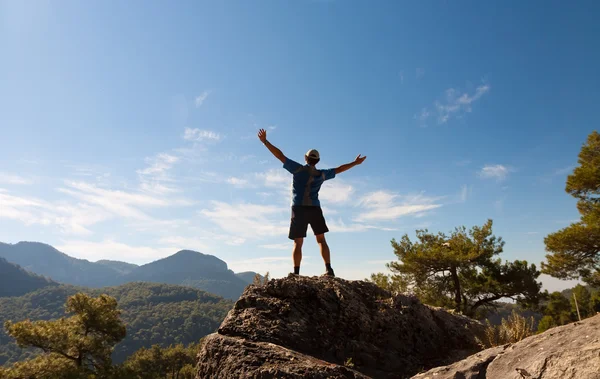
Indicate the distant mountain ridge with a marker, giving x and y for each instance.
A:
(186, 267)
(16, 281)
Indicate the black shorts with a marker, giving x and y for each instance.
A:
(302, 216)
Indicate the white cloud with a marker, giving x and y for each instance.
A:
(200, 135)
(275, 178)
(422, 116)
(6, 178)
(159, 165)
(276, 266)
(338, 226)
(183, 243)
(238, 182)
(383, 205)
(455, 104)
(558, 172)
(498, 172)
(70, 219)
(109, 249)
(336, 191)
(248, 221)
(272, 127)
(200, 99)
(465, 191)
(156, 178)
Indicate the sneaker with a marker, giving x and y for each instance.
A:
(330, 273)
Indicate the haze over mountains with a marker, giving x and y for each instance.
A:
(186, 267)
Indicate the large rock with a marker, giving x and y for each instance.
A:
(321, 327)
(566, 352)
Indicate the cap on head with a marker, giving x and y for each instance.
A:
(314, 154)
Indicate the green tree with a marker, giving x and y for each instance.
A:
(558, 308)
(81, 344)
(584, 302)
(461, 270)
(173, 362)
(595, 303)
(575, 250)
(546, 323)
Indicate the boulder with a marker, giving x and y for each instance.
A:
(322, 327)
(566, 352)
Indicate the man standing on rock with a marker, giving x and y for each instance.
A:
(306, 208)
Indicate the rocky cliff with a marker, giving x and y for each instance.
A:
(321, 327)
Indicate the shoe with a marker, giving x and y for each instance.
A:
(330, 273)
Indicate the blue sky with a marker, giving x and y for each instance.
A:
(129, 128)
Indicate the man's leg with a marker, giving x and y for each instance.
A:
(325, 253)
(297, 254)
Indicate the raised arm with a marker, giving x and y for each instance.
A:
(348, 166)
(262, 135)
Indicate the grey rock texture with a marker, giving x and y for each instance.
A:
(566, 352)
(321, 327)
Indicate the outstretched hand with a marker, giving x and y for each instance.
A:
(262, 135)
(359, 159)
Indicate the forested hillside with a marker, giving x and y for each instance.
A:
(153, 313)
(15, 281)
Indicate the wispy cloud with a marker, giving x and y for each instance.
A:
(200, 98)
(336, 192)
(498, 172)
(383, 205)
(422, 116)
(246, 220)
(110, 249)
(200, 135)
(559, 172)
(238, 182)
(455, 104)
(464, 193)
(6, 178)
(276, 266)
(275, 179)
(69, 218)
(401, 76)
(155, 178)
(184, 243)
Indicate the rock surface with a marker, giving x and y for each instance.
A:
(321, 327)
(566, 352)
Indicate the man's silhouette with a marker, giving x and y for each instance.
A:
(306, 208)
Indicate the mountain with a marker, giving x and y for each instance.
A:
(194, 269)
(186, 267)
(45, 260)
(121, 267)
(153, 313)
(15, 281)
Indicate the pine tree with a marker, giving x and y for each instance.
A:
(74, 347)
(575, 250)
(460, 271)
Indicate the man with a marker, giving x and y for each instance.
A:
(306, 208)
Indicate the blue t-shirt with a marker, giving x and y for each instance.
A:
(307, 182)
